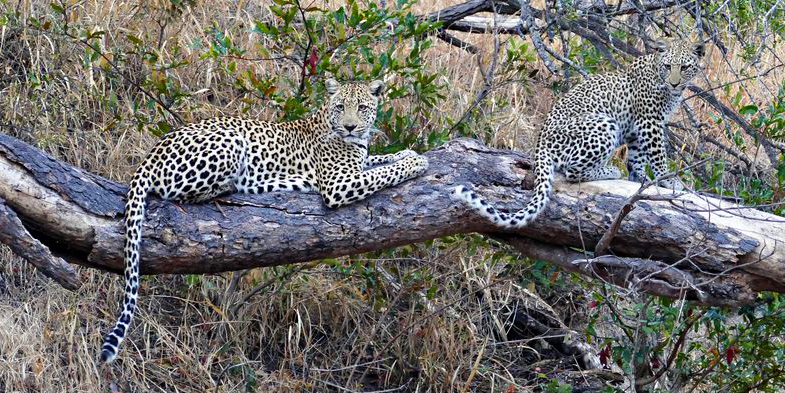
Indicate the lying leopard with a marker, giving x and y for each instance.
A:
(325, 153)
(600, 114)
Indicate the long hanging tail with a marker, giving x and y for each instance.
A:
(542, 190)
(134, 215)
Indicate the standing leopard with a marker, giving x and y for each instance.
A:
(600, 114)
(326, 153)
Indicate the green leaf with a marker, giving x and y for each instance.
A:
(134, 39)
(748, 110)
(57, 8)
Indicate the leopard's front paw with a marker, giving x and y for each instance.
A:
(612, 173)
(417, 163)
(672, 184)
(404, 153)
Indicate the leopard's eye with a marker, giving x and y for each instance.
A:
(339, 107)
(363, 107)
(685, 67)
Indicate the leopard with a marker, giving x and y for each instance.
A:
(325, 153)
(603, 112)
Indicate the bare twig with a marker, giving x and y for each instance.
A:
(605, 241)
(455, 41)
(674, 351)
(629, 205)
(528, 22)
(307, 54)
(736, 118)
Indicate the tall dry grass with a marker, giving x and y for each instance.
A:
(426, 319)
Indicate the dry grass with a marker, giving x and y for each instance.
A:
(370, 326)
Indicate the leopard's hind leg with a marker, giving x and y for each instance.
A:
(596, 137)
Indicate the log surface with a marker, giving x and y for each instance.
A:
(78, 215)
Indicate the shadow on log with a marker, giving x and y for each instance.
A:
(690, 246)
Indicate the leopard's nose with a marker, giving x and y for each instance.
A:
(349, 128)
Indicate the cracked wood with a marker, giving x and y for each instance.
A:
(78, 216)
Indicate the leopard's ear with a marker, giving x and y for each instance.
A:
(662, 45)
(376, 87)
(332, 86)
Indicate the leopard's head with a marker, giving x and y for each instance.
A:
(352, 109)
(678, 62)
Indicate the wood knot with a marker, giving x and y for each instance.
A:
(168, 237)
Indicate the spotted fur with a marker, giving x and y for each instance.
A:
(326, 153)
(600, 114)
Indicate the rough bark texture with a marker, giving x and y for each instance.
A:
(694, 246)
(15, 235)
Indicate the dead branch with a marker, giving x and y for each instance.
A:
(482, 25)
(728, 252)
(455, 41)
(15, 235)
(457, 12)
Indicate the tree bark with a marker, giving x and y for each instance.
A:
(692, 246)
(14, 234)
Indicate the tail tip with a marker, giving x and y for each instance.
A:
(108, 355)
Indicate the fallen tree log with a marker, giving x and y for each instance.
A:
(690, 246)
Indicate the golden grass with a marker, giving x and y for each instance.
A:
(308, 331)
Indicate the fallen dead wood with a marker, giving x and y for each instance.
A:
(690, 246)
(14, 234)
